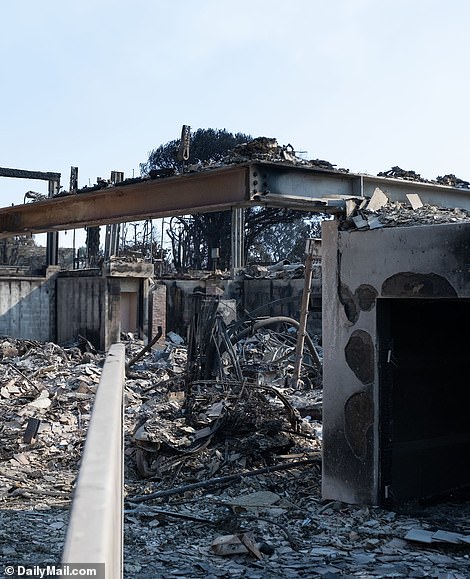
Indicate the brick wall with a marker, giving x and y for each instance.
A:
(158, 308)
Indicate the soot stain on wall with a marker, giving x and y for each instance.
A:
(349, 302)
(363, 299)
(417, 285)
(358, 419)
(359, 352)
(366, 296)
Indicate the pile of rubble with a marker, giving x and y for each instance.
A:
(226, 479)
(222, 470)
(264, 149)
(449, 180)
(268, 150)
(240, 404)
(46, 396)
(281, 270)
(379, 211)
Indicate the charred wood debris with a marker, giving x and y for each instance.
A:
(222, 461)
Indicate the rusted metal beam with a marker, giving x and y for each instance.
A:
(251, 183)
(22, 174)
(303, 187)
(196, 192)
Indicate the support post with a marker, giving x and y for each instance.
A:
(113, 231)
(238, 238)
(53, 236)
(73, 188)
(302, 330)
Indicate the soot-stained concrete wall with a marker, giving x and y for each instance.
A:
(359, 268)
(27, 307)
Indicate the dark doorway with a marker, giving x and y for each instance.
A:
(424, 378)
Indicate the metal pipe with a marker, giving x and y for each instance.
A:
(95, 531)
(53, 236)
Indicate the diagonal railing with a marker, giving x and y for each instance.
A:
(95, 531)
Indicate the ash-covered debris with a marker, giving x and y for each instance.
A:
(450, 180)
(399, 173)
(453, 181)
(268, 150)
(396, 214)
(53, 388)
(281, 270)
(46, 397)
(232, 488)
(233, 397)
(380, 211)
(321, 164)
(262, 149)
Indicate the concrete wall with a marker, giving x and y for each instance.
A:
(360, 268)
(27, 308)
(158, 308)
(81, 308)
(89, 303)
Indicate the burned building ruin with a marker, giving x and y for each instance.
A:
(394, 306)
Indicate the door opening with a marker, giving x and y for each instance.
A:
(424, 397)
(129, 312)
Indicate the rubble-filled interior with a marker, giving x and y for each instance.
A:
(221, 497)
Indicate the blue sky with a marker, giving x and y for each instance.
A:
(364, 84)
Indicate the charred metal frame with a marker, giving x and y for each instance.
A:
(54, 185)
(242, 185)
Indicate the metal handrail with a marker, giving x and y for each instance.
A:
(95, 530)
